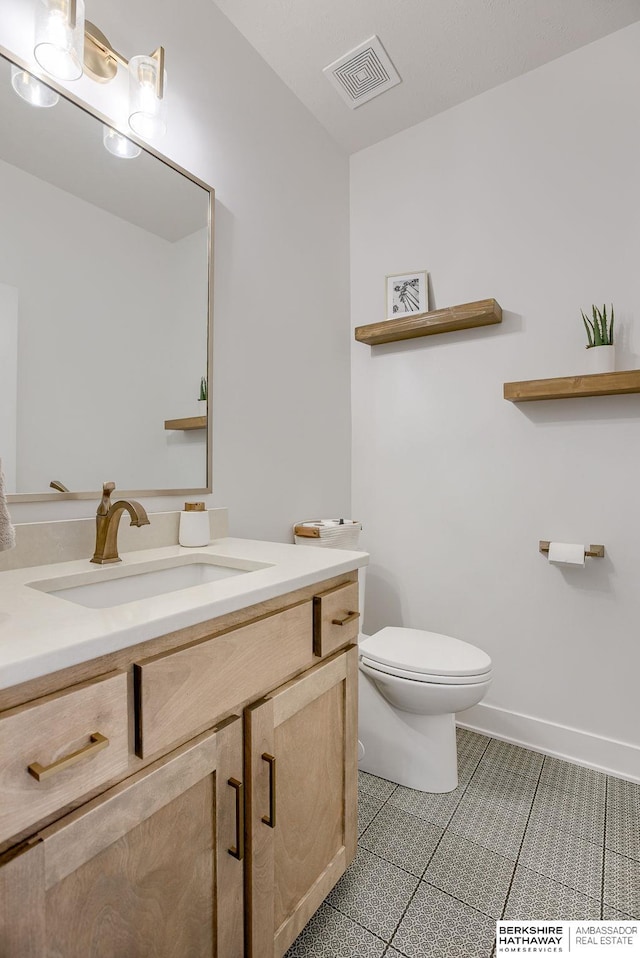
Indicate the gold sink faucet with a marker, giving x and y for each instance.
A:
(107, 521)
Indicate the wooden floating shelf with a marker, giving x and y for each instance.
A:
(486, 312)
(192, 422)
(575, 387)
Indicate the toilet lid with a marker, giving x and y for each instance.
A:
(427, 653)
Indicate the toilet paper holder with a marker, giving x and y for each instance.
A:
(593, 552)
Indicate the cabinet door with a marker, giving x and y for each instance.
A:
(145, 870)
(301, 773)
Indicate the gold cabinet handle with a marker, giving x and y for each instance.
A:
(349, 617)
(238, 851)
(270, 819)
(96, 743)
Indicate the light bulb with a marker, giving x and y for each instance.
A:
(119, 145)
(147, 116)
(59, 38)
(32, 90)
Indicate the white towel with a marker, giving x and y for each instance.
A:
(7, 532)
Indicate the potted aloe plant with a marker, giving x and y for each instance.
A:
(599, 329)
(202, 396)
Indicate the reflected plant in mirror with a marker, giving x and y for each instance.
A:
(101, 255)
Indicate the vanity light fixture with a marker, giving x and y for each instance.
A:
(119, 145)
(67, 45)
(59, 37)
(31, 90)
(147, 82)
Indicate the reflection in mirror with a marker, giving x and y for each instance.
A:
(104, 308)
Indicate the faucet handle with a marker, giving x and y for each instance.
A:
(105, 502)
(60, 486)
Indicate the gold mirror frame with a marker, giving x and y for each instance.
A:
(91, 111)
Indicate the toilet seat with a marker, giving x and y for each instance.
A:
(423, 678)
(427, 657)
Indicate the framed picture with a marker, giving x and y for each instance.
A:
(406, 294)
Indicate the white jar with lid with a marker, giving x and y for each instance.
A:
(194, 525)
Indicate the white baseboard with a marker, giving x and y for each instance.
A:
(620, 759)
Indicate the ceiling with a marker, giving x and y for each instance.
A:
(446, 51)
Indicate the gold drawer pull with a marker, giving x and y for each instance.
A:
(96, 744)
(349, 617)
(270, 819)
(238, 851)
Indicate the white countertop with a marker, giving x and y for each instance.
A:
(41, 633)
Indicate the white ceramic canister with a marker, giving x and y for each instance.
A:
(600, 359)
(194, 525)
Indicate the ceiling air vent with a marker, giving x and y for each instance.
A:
(363, 73)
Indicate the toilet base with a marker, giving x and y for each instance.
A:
(418, 751)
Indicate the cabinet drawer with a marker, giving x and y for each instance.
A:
(336, 620)
(181, 693)
(56, 749)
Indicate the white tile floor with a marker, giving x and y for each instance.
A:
(523, 836)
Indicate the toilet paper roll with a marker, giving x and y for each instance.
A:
(566, 553)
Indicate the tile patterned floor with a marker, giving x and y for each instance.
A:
(523, 836)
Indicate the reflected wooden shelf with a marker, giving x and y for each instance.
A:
(485, 312)
(192, 422)
(575, 387)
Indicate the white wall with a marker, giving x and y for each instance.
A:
(8, 381)
(529, 194)
(281, 363)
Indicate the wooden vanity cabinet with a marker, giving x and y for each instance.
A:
(143, 870)
(301, 774)
(60, 747)
(179, 693)
(221, 847)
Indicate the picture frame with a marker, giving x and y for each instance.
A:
(406, 294)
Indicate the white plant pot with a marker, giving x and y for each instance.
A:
(202, 407)
(600, 359)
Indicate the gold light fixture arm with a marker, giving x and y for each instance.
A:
(158, 56)
(98, 39)
(101, 59)
(72, 13)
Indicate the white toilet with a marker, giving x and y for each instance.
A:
(411, 684)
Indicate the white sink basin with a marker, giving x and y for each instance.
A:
(116, 585)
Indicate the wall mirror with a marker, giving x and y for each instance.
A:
(105, 310)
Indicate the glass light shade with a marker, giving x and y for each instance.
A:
(119, 145)
(59, 42)
(32, 90)
(147, 112)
